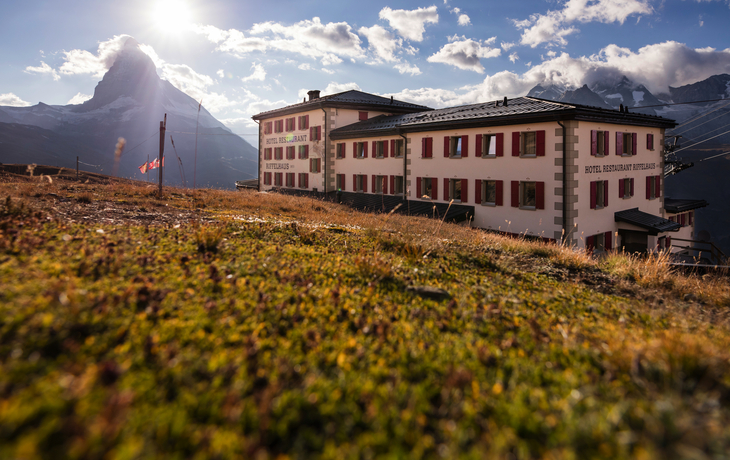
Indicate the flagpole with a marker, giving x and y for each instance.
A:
(148, 167)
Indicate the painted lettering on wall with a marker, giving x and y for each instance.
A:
(620, 168)
(278, 166)
(288, 139)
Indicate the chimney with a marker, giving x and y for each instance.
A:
(314, 94)
(505, 101)
(391, 99)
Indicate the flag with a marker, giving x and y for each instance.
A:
(154, 164)
(143, 168)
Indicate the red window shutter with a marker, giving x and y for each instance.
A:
(447, 145)
(621, 191)
(464, 146)
(631, 193)
(418, 188)
(516, 144)
(478, 145)
(375, 188)
(306, 180)
(669, 242)
(306, 121)
(446, 190)
(657, 187)
(354, 150)
(605, 143)
(515, 194)
(392, 148)
(306, 152)
(392, 185)
(435, 188)
(385, 149)
(619, 143)
(648, 187)
(464, 190)
(385, 185)
(362, 116)
(300, 180)
(593, 195)
(423, 148)
(605, 193)
(365, 148)
(594, 142)
(429, 146)
(634, 137)
(608, 241)
(691, 217)
(354, 182)
(299, 122)
(500, 144)
(500, 193)
(478, 188)
(375, 149)
(540, 135)
(365, 182)
(649, 142)
(590, 243)
(540, 195)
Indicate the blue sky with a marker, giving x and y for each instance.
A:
(243, 57)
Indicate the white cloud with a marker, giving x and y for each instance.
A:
(456, 10)
(10, 99)
(221, 73)
(195, 85)
(466, 54)
(80, 62)
(554, 26)
(327, 71)
(304, 66)
(507, 46)
(258, 73)
(410, 24)
(309, 38)
(80, 98)
(382, 42)
(551, 53)
(702, 23)
(514, 57)
(404, 68)
(464, 20)
(43, 69)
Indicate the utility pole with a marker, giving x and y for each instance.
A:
(163, 126)
(148, 167)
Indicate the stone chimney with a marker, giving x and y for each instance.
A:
(314, 94)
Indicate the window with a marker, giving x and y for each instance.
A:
(267, 178)
(304, 122)
(489, 192)
(599, 143)
(303, 152)
(664, 242)
(315, 133)
(362, 116)
(456, 189)
(290, 124)
(456, 146)
(279, 126)
(360, 183)
(626, 188)
(278, 153)
(397, 148)
(314, 165)
(267, 127)
(360, 149)
(267, 153)
(278, 179)
(528, 195)
(340, 151)
(653, 187)
(490, 145)
(340, 178)
(290, 179)
(380, 185)
(600, 242)
(427, 147)
(528, 144)
(290, 152)
(427, 188)
(625, 144)
(396, 185)
(599, 194)
(303, 180)
(380, 149)
(650, 142)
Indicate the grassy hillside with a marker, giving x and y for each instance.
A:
(245, 325)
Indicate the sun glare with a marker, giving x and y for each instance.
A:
(171, 16)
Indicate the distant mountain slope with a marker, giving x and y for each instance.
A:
(130, 102)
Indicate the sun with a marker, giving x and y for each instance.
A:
(171, 16)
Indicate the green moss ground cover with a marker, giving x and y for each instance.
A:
(263, 340)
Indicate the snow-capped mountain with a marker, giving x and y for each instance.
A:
(129, 102)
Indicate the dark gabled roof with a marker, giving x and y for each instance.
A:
(494, 113)
(349, 99)
(655, 224)
(676, 205)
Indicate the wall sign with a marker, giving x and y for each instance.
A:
(288, 139)
(278, 166)
(620, 168)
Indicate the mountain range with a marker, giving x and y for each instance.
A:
(129, 102)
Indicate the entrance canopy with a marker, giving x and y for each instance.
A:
(653, 224)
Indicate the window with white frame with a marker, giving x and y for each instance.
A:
(360, 149)
(455, 190)
(290, 153)
(380, 184)
(528, 144)
(652, 187)
(278, 179)
(599, 194)
(379, 149)
(314, 165)
(303, 180)
(304, 122)
(398, 185)
(528, 195)
(489, 192)
(361, 181)
(399, 148)
(489, 146)
(278, 153)
(340, 150)
(340, 182)
(627, 144)
(427, 187)
(290, 179)
(267, 153)
(303, 152)
(268, 127)
(267, 178)
(626, 187)
(279, 126)
(290, 124)
(455, 146)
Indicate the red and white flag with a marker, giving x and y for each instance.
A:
(143, 168)
(154, 164)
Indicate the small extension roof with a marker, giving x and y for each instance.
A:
(676, 206)
(654, 224)
(352, 99)
(494, 113)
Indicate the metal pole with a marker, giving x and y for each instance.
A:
(148, 167)
(163, 125)
(77, 168)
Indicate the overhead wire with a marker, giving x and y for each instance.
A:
(700, 116)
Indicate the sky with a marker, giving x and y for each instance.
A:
(244, 57)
